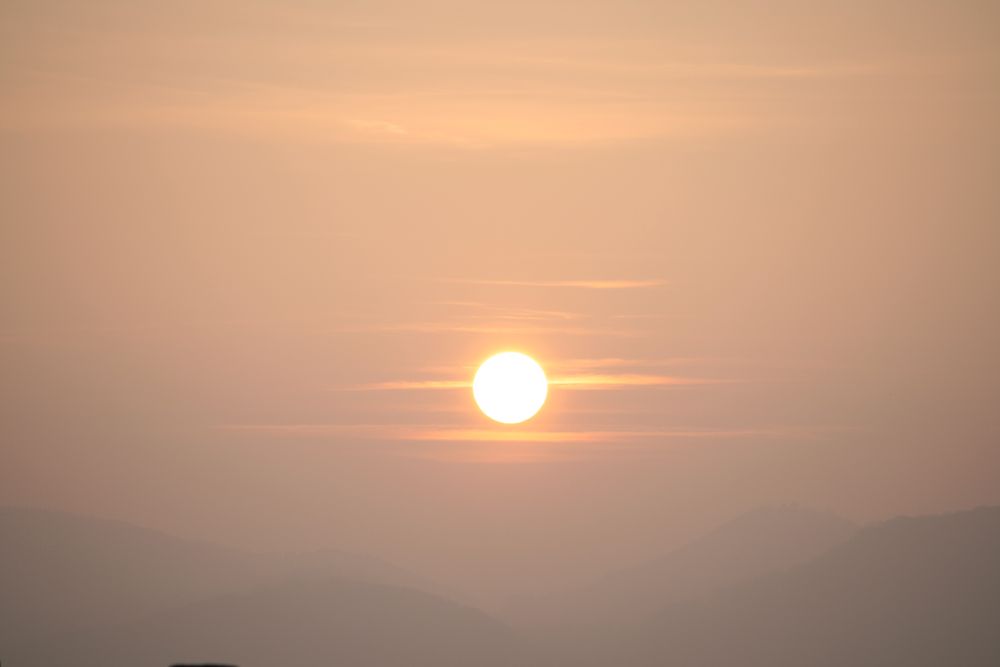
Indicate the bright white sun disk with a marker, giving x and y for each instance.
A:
(510, 387)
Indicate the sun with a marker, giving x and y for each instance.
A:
(510, 387)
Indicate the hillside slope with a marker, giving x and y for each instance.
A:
(910, 591)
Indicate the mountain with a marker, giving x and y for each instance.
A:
(60, 571)
(749, 546)
(296, 624)
(775, 588)
(910, 591)
(79, 590)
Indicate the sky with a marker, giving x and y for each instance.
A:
(253, 252)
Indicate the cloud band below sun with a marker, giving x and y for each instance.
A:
(442, 434)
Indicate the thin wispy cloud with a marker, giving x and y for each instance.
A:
(449, 433)
(574, 374)
(598, 284)
(575, 89)
(407, 385)
(581, 365)
(496, 311)
(581, 436)
(475, 94)
(612, 381)
(448, 326)
(588, 364)
(464, 444)
(591, 381)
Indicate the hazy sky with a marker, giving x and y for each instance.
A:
(254, 251)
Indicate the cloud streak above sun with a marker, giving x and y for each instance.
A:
(604, 284)
(447, 326)
(499, 318)
(479, 93)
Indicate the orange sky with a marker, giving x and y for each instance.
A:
(253, 252)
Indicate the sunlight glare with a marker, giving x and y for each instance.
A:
(510, 387)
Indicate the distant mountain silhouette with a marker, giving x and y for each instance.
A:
(749, 546)
(298, 624)
(62, 574)
(774, 588)
(911, 591)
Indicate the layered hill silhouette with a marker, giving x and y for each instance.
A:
(778, 587)
(298, 624)
(752, 545)
(82, 591)
(910, 591)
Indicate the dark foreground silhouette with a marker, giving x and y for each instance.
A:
(916, 591)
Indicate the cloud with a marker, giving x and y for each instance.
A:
(582, 374)
(475, 317)
(452, 443)
(583, 365)
(614, 381)
(593, 381)
(379, 127)
(580, 436)
(494, 311)
(411, 385)
(602, 284)
(450, 433)
(474, 328)
(589, 364)
(393, 84)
